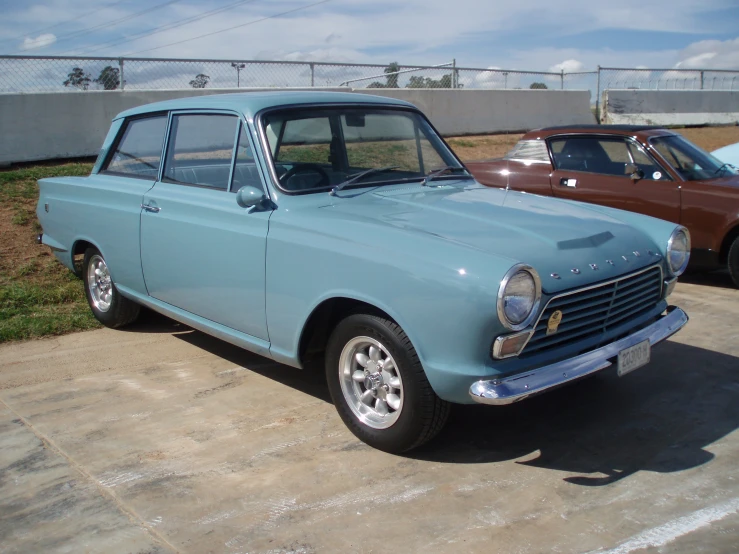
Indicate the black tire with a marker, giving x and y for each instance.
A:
(121, 311)
(733, 261)
(422, 415)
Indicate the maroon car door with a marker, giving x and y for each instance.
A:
(594, 169)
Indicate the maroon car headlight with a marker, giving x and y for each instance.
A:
(678, 251)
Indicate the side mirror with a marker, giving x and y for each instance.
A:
(249, 197)
(634, 172)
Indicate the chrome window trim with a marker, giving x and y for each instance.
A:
(528, 161)
(500, 299)
(119, 137)
(267, 151)
(165, 152)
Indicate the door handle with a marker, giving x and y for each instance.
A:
(568, 182)
(150, 208)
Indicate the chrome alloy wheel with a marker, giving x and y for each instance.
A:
(99, 283)
(371, 382)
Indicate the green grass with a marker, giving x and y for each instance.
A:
(38, 296)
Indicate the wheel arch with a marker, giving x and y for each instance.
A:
(731, 235)
(79, 246)
(324, 317)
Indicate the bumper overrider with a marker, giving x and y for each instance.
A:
(517, 387)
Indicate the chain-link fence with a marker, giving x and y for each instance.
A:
(58, 74)
(668, 79)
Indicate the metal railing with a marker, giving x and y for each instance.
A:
(68, 74)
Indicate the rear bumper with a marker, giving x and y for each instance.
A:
(517, 387)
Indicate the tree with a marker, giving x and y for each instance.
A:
(77, 78)
(427, 82)
(376, 84)
(538, 86)
(200, 81)
(109, 78)
(392, 80)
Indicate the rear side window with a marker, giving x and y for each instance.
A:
(138, 152)
(200, 150)
(529, 150)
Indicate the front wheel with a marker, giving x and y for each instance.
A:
(107, 305)
(734, 261)
(379, 387)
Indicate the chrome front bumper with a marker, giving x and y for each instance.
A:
(517, 387)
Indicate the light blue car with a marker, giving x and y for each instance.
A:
(728, 154)
(314, 224)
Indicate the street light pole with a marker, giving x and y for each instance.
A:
(238, 67)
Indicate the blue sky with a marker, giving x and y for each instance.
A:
(525, 34)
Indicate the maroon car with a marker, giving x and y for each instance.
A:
(648, 170)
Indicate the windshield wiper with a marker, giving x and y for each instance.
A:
(358, 176)
(435, 173)
(722, 168)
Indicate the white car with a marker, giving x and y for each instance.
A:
(728, 154)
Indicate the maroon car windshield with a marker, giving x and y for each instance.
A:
(692, 163)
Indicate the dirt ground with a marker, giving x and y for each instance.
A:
(494, 146)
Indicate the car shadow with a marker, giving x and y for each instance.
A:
(660, 418)
(718, 278)
(311, 380)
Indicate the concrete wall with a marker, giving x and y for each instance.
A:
(670, 107)
(477, 112)
(53, 125)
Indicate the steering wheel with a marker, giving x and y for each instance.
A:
(306, 168)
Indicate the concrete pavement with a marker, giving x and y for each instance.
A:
(161, 439)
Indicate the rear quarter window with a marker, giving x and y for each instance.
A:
(529, 150)
(138, 151)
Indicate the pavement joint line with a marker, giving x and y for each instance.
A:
(105, 492)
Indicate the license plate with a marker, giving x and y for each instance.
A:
(633, 358)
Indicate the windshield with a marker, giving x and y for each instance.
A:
(692, 163)
(315, 149)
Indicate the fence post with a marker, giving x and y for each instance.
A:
(454, 72)
(120, 67)
(702, 75)
(312, 74)
(562, 80)
(597, 98)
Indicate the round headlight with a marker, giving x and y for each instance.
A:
(678, 251)
(518, 297)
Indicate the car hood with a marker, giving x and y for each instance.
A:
(580, 244)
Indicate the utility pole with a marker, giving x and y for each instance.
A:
(238, 67)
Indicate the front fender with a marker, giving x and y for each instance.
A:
(443, 297)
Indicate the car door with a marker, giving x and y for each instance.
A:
(113, 209)
(593, 169)
(200, 250)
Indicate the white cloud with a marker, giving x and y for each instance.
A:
(568, 66)
(38, 42)
(710, 54)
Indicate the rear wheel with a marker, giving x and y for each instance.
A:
(379, 387)
(734, 261)
(107, 305)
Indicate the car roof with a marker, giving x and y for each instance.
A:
(249, 103)
(627, 130)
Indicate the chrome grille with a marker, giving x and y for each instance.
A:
(594, 310)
